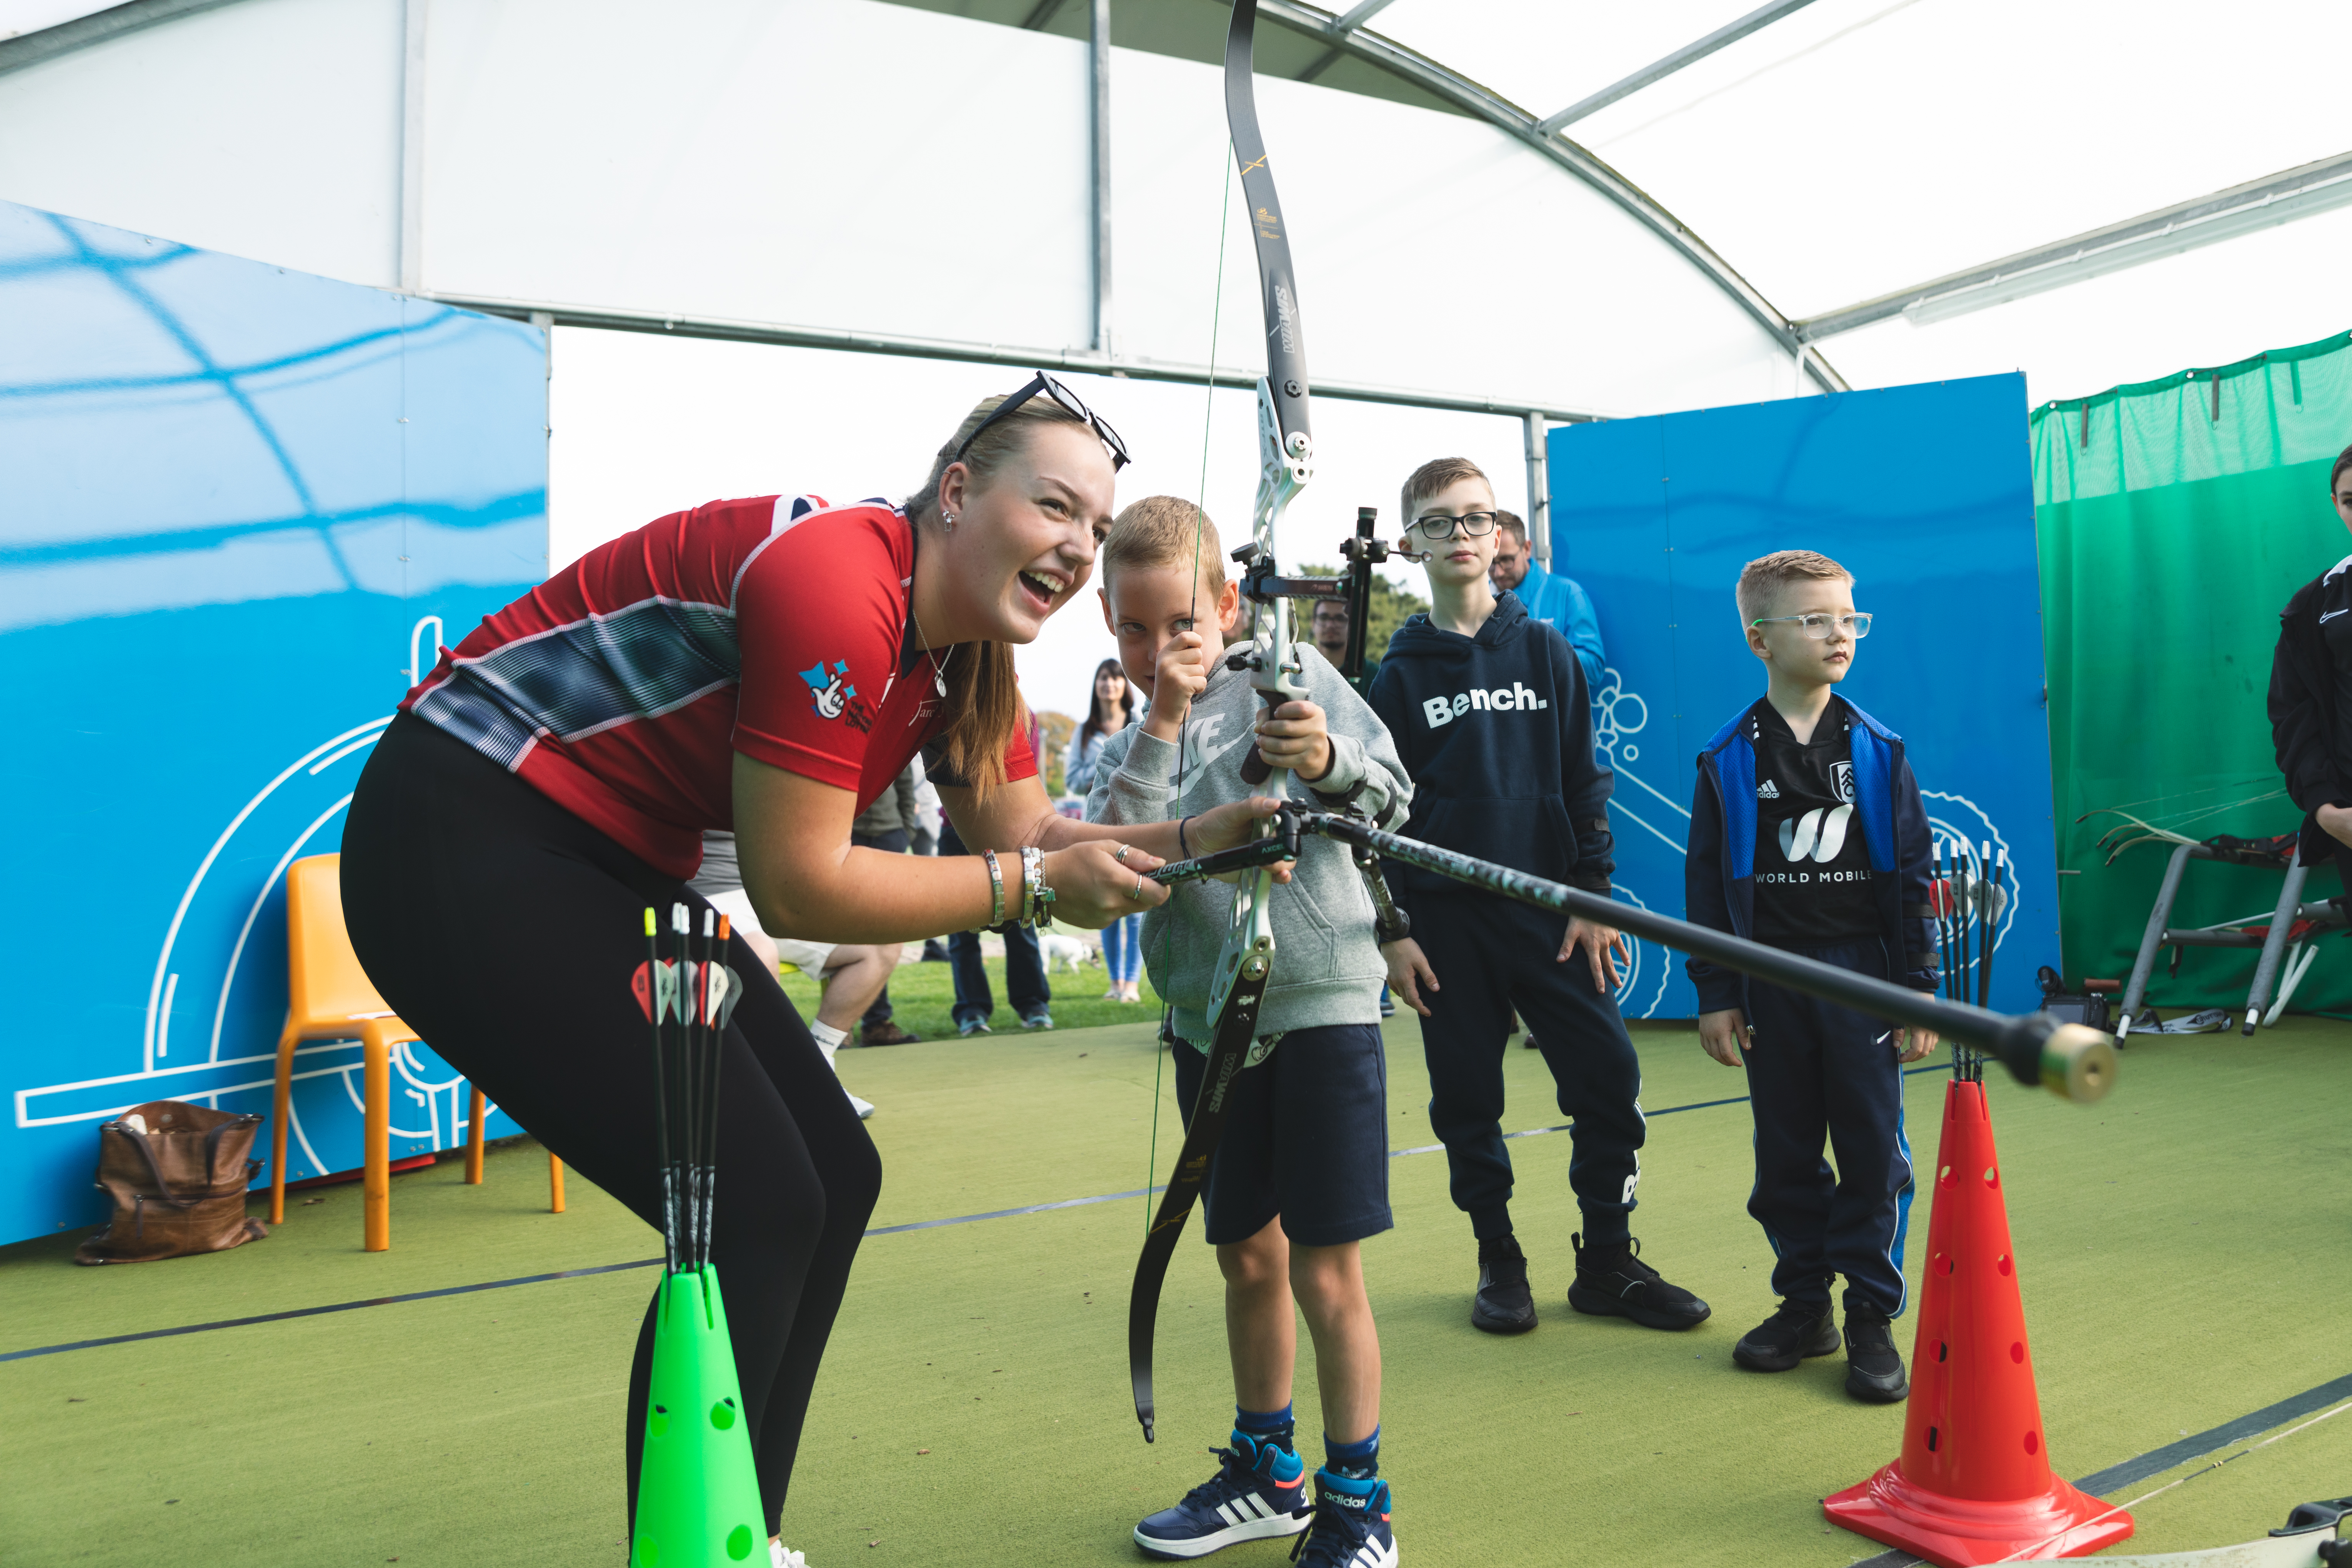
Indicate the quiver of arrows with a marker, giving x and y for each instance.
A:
(698, 1490)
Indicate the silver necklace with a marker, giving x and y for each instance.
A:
(939, 665)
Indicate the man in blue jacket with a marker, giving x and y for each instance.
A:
(1547, 595)
(1807, 834)
(1490, 711)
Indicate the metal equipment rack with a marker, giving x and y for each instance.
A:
(2284, 938)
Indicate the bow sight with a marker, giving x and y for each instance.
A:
(1261, 585)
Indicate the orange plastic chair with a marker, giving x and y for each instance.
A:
(329, 997)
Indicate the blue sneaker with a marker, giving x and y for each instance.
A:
(1249, 1498)
(1351, 1525)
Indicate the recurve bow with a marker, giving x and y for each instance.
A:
(1287, 461)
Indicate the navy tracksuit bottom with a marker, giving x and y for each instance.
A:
(1489, 957)
(1816, 1072)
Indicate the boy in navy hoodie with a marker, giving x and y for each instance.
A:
(1490, 711)
(1807, 834)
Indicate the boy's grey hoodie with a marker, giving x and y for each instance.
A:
(1328, 968)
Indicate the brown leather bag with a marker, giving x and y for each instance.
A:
(178, 1173)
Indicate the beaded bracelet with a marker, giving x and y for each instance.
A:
(995, 889)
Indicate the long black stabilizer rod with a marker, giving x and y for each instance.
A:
(2072, 1062)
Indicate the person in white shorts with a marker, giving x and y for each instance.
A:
(851, 975)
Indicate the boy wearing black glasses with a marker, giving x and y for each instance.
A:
(1490, 713)
(1807, 834)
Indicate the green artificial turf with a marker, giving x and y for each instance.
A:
(2182, 1250)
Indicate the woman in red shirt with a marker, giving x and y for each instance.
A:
(768, 666)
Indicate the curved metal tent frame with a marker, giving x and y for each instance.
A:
(1535, 131)
(1344, 36)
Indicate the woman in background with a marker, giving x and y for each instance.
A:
(1110, 709)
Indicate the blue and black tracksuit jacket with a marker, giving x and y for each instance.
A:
(1720, 872)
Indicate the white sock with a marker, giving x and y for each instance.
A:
(828, 1038)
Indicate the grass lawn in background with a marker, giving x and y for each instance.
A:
(922, 997)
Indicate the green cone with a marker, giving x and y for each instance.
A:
(698, 1494)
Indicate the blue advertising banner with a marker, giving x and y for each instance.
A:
(242, 505)
(1924, 493)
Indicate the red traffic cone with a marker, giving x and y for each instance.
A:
(1973, 1484)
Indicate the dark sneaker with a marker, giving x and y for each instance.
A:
(887, 1034)
(1614, 1282)
(1246, 1499)
(1873, 1367)
(1040, 1019)
(936, 951)
(1502, 1305)
(967, 1027)
(1797, 1329)
(1351, 1525)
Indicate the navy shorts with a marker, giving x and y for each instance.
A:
(1306, 1137)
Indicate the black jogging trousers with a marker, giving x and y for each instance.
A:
(504, 930)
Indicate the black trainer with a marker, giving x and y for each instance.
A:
(1797, 1329)
(1873, 1367)
(1504, 1305)
(1614, 1282)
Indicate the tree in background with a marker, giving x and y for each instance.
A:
(1057, 729)
(1391, 607)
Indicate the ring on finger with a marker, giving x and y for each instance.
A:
(1120, 854)
(1138, 894)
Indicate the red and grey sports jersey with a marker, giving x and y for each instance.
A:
(622, 686)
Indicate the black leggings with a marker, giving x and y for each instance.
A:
(505, 929)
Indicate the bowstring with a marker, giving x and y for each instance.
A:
(1184, 729)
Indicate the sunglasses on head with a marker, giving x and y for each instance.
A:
(1070, 403)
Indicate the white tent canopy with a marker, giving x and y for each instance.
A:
(1553, 205)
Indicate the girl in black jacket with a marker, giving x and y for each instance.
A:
(2311, 697)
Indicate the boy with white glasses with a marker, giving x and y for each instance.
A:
(1807, 834)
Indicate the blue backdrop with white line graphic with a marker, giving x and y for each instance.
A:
(1924, 493)
(241, 504)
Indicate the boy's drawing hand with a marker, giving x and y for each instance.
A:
(1724, 1035)
(1295, 736)
(1409, 972)
(1180, 671)
(1604, 947)
(1915, 1043)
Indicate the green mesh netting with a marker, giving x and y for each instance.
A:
(2174, 519)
